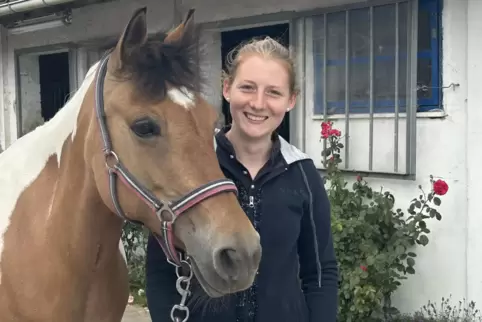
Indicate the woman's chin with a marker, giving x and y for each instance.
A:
(256, 132)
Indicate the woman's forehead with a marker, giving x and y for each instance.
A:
(257, 69)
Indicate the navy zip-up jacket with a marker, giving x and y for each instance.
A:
(297, 279)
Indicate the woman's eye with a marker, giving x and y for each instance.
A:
(146, 128)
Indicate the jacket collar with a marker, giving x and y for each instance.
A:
(290, 153)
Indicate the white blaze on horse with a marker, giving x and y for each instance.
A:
(135, 142)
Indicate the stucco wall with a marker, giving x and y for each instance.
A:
(30, 92)
(473, 134)
(448, 147)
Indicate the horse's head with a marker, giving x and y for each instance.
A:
(162, 130)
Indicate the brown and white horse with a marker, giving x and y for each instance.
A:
(135, 143)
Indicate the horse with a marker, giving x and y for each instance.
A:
(134, 143)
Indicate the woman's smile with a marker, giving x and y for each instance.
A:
(255, 119)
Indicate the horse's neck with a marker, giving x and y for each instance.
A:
(48, 193)
(77, 212)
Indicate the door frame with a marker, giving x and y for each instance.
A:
(61, 48)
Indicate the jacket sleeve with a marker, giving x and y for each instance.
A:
(318, 265)
(160, 283)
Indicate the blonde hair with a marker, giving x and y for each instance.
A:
(266, 48)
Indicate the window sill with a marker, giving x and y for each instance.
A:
(435, 114)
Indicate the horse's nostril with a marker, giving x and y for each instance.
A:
(227, 262)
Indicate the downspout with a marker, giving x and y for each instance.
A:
(17, 6)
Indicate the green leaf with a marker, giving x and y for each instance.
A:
(423, 240)
(410, 262)
(410, 270)
(437, 201)
(411, 254)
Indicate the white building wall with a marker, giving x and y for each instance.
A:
(473, 132)
(448, 143)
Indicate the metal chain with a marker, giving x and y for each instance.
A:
(183, 285)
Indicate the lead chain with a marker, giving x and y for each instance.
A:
(183, 285)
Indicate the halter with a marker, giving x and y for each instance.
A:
(174, 208)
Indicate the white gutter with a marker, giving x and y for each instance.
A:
(16, 6)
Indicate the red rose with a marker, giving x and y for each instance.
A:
(440, 187)
(327, 131)
(364, 268)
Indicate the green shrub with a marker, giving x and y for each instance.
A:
(134, 239)
(375, 243)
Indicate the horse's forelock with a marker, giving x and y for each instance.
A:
(156, 64)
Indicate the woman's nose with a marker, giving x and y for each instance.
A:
(258, 102)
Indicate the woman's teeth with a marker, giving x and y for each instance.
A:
(255, 117)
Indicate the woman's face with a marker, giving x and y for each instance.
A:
(259, 96)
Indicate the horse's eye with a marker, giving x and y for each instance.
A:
(145, 128)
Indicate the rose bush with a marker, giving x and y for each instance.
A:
(375, 242)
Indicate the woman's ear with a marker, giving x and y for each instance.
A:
(226, 89)
(292, 101)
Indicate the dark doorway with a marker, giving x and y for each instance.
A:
(231, 39)
(54, 83)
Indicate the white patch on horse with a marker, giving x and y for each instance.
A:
(24, 160)
(181, 96)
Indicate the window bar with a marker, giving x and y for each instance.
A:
(397, 74)
(325, 99)
(412, 89)
(370, 144)
(408, 88)
(347, 87)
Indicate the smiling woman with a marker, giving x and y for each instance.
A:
(281, 193)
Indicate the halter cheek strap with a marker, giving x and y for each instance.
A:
(117, 170)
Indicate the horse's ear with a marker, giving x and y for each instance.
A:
(134, 35)
(183, 27)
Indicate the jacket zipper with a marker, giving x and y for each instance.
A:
(251, 201)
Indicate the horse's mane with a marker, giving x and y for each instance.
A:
(156, 64)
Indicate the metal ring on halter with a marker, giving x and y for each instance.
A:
(165, 208)
(178, 269)
(109, 155)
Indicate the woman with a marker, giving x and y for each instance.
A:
(281, 192)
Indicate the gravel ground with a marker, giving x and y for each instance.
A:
(135, 313)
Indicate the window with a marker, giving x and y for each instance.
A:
(358, 48)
